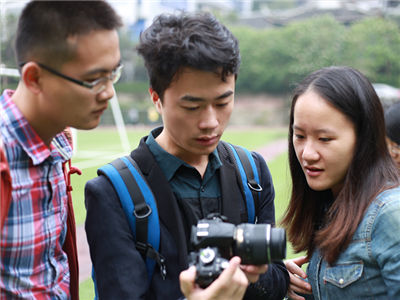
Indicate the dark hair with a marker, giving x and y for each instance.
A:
(371, 171)
(392, 120)
(44, 27)
(198, 41)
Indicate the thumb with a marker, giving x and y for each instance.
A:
(186, 279)
(300, 260)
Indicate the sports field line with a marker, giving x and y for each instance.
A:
(97, 158)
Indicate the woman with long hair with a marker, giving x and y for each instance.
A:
(344, 210)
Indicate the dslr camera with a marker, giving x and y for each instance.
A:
(215, 242)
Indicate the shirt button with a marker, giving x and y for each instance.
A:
(202, 189)
(341, 281)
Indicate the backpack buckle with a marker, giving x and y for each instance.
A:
(142, 248)
(149, 211)
(255, 186)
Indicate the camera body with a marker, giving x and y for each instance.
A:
(217, 241)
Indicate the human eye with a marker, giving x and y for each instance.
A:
(325, 139)
(94, 80)
(298, 136)
(222, 104)
(191, 108)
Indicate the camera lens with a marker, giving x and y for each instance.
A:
(258, 244)
(277, 244)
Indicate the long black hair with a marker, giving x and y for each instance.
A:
(371, 171)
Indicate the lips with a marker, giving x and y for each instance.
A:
(313, 171)
(207, 140)
(100, 111)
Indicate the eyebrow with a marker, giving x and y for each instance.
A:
(101, 70)
(323, 130)
(196, 99)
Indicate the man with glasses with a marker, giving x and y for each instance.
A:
(69, 58)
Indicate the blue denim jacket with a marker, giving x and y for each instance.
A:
(370, 267)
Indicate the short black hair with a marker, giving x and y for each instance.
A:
(392, 121)
(193, 40)
(44, 27)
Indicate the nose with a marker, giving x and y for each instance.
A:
(310, 154)
(107, 93)
(209, 118)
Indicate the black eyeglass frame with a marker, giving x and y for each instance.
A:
(86, 84)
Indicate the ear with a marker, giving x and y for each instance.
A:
(31, 76)
(156, 100)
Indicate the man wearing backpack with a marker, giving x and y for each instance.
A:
(68, 56)
(193, 62)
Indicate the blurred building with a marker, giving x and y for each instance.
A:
(139, 14)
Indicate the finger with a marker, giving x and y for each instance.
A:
(294, 268)
(229, 272)
(239, 282)
(253, 272)
(299, 285)
(294, 296)
(253, 278)
(254, 269)
(231, 284)
(186, 280)
(300, 260)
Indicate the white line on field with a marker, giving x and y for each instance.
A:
(96, 161)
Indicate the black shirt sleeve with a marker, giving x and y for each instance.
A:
(114, 256)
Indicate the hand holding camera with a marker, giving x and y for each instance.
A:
(217, 241)
(232, 284)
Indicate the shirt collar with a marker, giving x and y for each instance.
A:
(169, 163)
(25, 135)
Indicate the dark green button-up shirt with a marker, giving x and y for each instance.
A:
(196, 197)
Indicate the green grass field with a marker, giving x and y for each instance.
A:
(102, 145)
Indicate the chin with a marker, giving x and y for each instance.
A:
(87, 126)
(317, 187)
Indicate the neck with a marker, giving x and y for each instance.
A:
(29, 105)
(198, 161)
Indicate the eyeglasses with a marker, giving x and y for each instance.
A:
(395, 149)
(96, 86)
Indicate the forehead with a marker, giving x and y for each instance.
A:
(200, 83)
(97, 49)
(312, 111)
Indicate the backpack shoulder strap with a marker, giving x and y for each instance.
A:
(140, 209)
(249, 176)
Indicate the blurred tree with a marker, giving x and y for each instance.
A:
(7, 41)
(127, 55)
(373, 47)
(273, 59)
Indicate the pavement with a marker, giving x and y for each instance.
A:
(269, 152)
